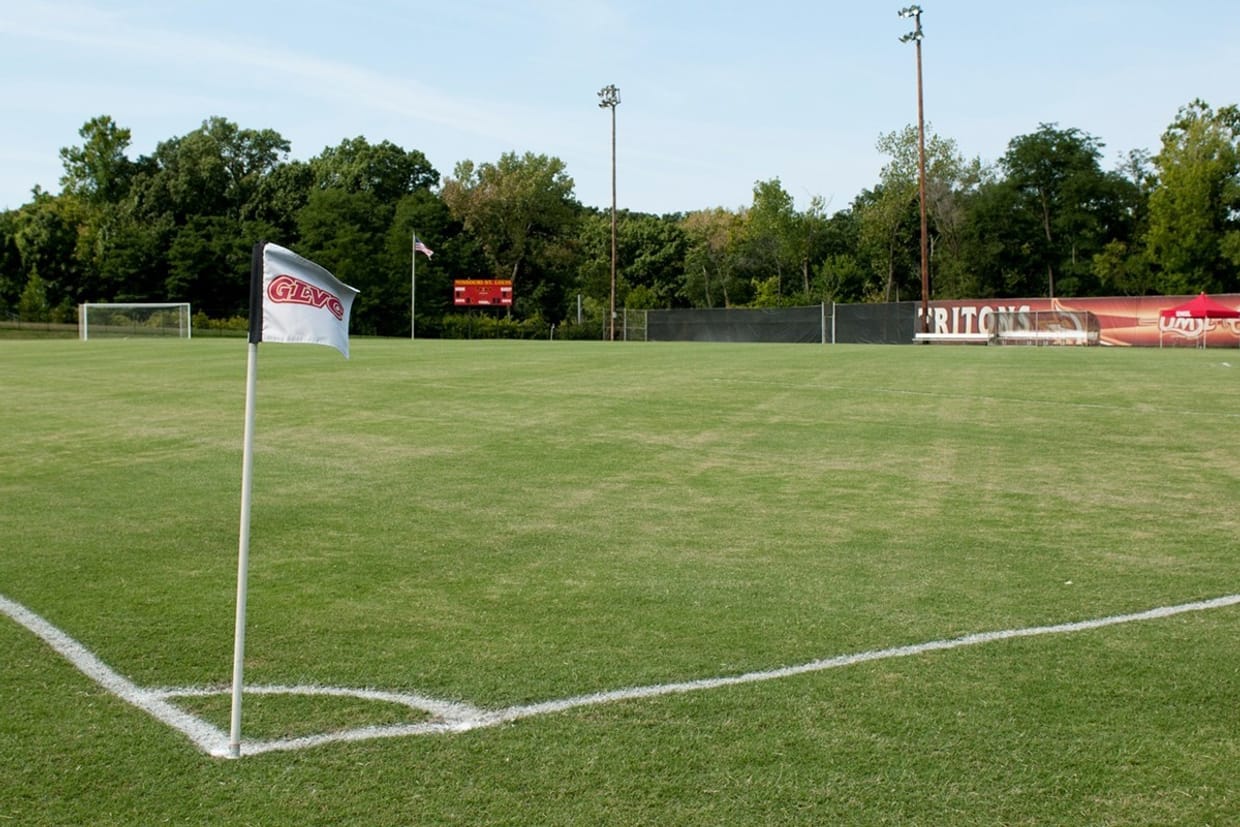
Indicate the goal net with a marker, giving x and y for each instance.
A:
(98, 321)
(1045, 327)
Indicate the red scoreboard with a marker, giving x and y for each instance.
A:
(482, 292)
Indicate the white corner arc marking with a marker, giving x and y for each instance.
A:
(447, 717)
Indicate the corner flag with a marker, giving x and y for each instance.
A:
(292, 299)
(301, 302)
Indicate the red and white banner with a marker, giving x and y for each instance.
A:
(1124, 321)
(302, 302)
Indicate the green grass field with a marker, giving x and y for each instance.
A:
(510, 523)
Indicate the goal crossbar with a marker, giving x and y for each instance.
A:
(134, 320)
(1045, 327)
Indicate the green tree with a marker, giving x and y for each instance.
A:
(98, 172)
(278, 196)
(12, 276)
(117, 254)
(214, 170)
(892, 232)
(1058, 186)
(771, 235)
(711, 277)
(456, 255)
(1194, 232)
(46, 239)
(840, 278)
(652, 256)
(810, 233)
(33, 305)
(201, 199)
(519, 209)
(1124, 266)
(650, 253)
(888, 240)
(209, 265)
(383, 169)
(344, 232)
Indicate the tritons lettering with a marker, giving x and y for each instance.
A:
(284, 289)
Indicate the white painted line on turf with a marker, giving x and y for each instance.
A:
(205, 737)
(449, 717)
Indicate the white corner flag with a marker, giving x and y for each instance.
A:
(302, 302)
(292, 299)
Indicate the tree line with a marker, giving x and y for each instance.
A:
(1046, 219)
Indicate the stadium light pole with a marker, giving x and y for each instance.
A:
(609, 98)
(916, 36)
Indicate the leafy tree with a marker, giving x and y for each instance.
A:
(518, 208)
(214, 170)
(209, 264)
(809, 239)
(771, 234)
(98, 172)
(836, 274)
(711, 276)
(642, 297)
(12, 276)
(893, 245)
(384, 169)
(996, 242)
(652, 255)
(1194, 232)
(278, 196)
(594, 247)
(1058, 186)
(46, 240)
(344, 232)
(1122, 271)
(840, 278)
(118, 255)
(128, 258)
(33, 305)
(455, 254)
(888, 240)
(1124, 266)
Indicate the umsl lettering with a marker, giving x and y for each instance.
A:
(1185, 326)
(284, 289)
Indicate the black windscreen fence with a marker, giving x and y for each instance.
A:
(763, 324)
(892, 323)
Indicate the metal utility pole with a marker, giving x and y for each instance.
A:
(916, 36)
(609, 98)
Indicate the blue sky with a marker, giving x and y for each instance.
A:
(714, 96)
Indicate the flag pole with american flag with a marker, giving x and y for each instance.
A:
(418, 247)
(292, 299)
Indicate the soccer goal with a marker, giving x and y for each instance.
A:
(1045, 327)
(99, 321)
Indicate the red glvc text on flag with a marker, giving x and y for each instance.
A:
(284, 289)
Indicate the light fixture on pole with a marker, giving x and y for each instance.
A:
(609, 98)
(916, 36)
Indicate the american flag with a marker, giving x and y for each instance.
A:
(419, 247)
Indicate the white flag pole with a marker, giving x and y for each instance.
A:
(243, 550)
(247, 487)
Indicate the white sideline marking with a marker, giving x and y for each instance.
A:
(449, 717)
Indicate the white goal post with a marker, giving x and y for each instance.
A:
(120, 320)
(1045, 327)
